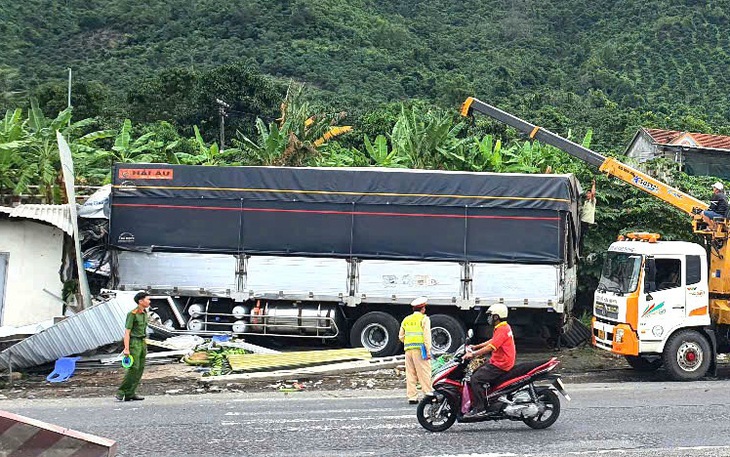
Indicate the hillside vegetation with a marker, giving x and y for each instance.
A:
(360, 83)
(569, 63)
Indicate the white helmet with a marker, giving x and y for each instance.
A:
(499, 309)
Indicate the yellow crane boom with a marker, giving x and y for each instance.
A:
(608, 165)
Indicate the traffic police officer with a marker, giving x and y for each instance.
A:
(415, 333)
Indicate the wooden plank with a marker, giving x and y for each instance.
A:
(257, 362)
(320, 370)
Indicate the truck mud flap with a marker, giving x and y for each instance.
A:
(574, 333)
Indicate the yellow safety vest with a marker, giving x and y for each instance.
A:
(414, 331)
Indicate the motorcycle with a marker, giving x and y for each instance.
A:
(513, 397)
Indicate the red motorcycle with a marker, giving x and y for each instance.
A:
(514, 396)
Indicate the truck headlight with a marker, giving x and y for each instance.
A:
(657, 330)
(619, 335)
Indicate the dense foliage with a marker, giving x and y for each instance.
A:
(381, 84)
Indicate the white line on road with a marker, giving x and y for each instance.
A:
(625, 451)
(332, 411)
(325, 419)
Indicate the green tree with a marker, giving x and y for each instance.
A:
(295, 138)
(41, 160)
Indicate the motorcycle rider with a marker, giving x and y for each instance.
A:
(502, 347)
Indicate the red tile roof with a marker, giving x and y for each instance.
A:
(703, 140)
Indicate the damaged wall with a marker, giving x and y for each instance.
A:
(35, 257)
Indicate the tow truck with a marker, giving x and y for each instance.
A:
(658, 303)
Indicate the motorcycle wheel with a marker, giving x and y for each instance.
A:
(427, 410)
(549, 404)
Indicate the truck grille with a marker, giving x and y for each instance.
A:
(604, 310)
(603, 333)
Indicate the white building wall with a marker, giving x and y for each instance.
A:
(36, 252)
(642, 149)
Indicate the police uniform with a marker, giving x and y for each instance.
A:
(415, 333)
(137, 325)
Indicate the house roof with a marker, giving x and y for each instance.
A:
(700, 140)
(56, 215)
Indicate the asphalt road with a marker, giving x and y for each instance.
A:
(607, 420)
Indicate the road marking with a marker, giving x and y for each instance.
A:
(624, 451)
(331, 411)
(309, 421)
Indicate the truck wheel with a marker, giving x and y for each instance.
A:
(640, 363)
(447, 334)
(687, 356)
(377, 332)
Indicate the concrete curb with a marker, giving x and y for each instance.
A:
(21, 435)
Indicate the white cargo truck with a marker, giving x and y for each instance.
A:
(338, 254)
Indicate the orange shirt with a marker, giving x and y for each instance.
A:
(503, 347)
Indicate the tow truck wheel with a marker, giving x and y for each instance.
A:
(377, 332)
(645, 364)
(687, 356)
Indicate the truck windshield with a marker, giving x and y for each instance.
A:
(620, 273)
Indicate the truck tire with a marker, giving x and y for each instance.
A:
(447, 334)
(376, 331)
(687, 356)
(645, 364)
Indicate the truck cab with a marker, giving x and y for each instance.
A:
(651, 305)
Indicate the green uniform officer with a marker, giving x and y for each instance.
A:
(134, 345)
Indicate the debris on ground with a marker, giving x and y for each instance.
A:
(241, 363)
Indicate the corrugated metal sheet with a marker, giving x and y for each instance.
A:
(56, 215)
(94, 327)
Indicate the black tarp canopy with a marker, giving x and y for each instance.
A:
(345, 212)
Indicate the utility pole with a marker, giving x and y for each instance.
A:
(69, 93)
(222, 107)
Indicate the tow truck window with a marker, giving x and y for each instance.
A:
(668, 273)
(620, 273)
(694, 269)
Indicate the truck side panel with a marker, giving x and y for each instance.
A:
(344, 213)
(387, 281)
(326, 279)
(296, 278)
(165, 270)
(513, 284)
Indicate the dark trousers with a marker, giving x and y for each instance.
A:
(584, 227)
(486, 374)
(138, 351)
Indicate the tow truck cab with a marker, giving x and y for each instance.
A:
(652, 306)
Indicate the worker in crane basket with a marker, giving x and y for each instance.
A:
(718, 206)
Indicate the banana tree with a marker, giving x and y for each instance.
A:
(206, 155)
(534, 157)
(480, 155)
(425, 139)
(41, 156)
(380, 155)
(13, 175)
(267, 149)
(295, 138)
(127, 149)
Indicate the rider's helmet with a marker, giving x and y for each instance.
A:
(498, 309)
